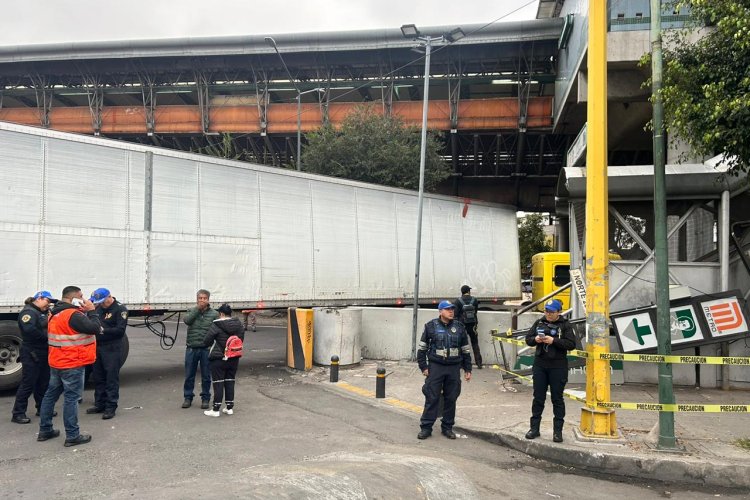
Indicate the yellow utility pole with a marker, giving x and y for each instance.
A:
(596, 422)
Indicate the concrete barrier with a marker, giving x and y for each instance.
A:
(338, 331)
(387, 331)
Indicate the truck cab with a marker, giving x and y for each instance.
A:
(550, 271)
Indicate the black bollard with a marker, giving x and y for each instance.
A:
(380, 383)
(334, 368)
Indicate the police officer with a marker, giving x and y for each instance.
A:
(32, 320)
(553, 337)
(443, 350)
(114, 319)
(466, 312)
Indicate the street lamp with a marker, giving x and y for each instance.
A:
(411, 31)
(272, 43)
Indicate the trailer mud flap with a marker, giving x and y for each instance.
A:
(299, 343)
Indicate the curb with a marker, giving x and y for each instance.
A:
(655, 468)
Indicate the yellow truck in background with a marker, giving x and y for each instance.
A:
(550, 271)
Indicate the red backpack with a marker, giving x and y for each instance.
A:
(233, 348)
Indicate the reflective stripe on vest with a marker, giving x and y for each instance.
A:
(58, 340)
(71, 349)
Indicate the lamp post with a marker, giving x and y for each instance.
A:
(411, 31)
(272, 43)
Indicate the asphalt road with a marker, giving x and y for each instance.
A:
(287, 439)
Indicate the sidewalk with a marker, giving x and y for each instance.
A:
(499, 412)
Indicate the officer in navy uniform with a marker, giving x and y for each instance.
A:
(443, 350)
(553, 337)
(32, 321)
(114, 319)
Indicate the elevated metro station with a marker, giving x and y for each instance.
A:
(508, 98)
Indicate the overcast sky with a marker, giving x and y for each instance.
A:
(26, 22)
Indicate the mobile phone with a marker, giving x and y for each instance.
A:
(77, 302)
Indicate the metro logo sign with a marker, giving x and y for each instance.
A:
(724, 317)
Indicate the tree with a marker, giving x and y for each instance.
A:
(531, 239)
(374, 148)
(707, 83)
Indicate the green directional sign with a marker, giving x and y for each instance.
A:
(636, 332)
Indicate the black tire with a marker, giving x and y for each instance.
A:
(125, 350)
(10, 355)
(123, 357)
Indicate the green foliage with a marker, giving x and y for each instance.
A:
(374, 148)
(222, 148)
(743, 443)
(706, 85)
(531, 239)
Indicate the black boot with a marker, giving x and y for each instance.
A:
(532, 434)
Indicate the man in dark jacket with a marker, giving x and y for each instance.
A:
(114, 319)
(198, 319)
(553, 338)
(443, 350)
(223, 366)
(32, 321)
(467, 309)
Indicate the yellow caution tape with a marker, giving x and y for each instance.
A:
(695, 408)
(692, 408)
(644, 358)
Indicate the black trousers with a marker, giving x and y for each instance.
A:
(107, 375)
(471, 329)
(222, 376)
(555, 379)
(34, 380)
(445, 380)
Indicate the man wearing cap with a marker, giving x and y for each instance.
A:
(32, 321)
(443, 350)
(467, 308)
(71, 334)
(553, 337)
(114, 318)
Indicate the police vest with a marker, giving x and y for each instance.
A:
(445, 342)
(69, 348)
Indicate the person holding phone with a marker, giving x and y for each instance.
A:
(553, 337)
(71, 335)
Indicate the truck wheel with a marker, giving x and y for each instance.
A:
(125, 350)
(123, 357)
(10, 355)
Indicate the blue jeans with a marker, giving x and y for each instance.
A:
(70, 383)
(193, 356)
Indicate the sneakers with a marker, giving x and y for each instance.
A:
(424, 434)
(212, 413)
(20, 419)
(94, 409)
(81, 439)
(108, 414)
(204, 404)
(43, 436)
(187, 403)
(532, 434)
(228, 411)
(449, 434)
(557, 437)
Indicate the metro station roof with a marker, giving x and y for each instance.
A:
(374, 39)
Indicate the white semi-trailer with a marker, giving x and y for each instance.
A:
(154, 225)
